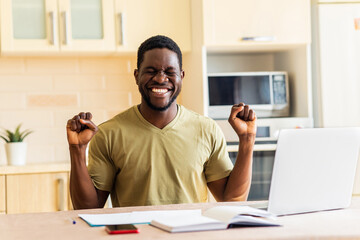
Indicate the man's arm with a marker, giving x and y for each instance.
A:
(80, 129)
(236, 186)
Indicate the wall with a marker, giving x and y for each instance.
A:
(42, 93)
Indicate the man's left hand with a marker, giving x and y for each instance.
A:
(243, 120)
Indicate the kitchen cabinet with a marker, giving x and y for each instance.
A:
(137, 20)
(53, 26)
(337, 61)
(2, 194)
(275, 22)
(34, 188)
(219, 27)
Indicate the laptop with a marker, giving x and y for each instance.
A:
(314, 170)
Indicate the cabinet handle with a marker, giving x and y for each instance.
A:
(64, 17)
(259, 39)
(121, 28)
(52, 28)
(60, 194)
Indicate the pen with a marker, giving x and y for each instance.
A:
(71, 220)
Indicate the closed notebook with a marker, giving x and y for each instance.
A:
(216, 218)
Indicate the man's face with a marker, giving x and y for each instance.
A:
(159, 78)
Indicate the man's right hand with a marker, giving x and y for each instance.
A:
(80, 129)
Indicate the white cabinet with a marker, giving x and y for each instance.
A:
(38, 27)
(338, 59)
(137, 20)
(225, 22)
(228, 22)
(48, 26)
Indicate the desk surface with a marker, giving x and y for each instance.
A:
(327, 224)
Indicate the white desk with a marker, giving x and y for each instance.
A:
(344, 223)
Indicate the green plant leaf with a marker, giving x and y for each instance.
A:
(24, 134)
(11, 136)
(16, 136)
(6, 140)
(17, 130)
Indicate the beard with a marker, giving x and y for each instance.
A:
(152, 106)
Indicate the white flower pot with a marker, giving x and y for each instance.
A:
(16, 153)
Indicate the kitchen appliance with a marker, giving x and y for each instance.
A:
(267, 128)
(264, 149)
(263, 161)
(265, 92)
(336, 61)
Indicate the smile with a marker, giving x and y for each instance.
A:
(159, 90)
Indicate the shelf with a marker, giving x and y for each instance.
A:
(253, 47)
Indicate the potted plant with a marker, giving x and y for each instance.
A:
(15, 147)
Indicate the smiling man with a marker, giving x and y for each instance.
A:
(158, 152)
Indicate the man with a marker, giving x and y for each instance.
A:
(158, 152)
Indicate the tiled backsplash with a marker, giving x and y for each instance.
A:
(42, 93)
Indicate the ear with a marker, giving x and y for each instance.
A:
(182, 74)
(136, 75)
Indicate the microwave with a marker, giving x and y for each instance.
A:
(267, 93)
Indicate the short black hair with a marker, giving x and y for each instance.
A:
(158, 41)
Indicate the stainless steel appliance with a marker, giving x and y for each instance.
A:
(264, 150)
(266, 92)
(263, 161)
(336, 61)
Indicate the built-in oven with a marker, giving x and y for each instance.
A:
(264, 149)
(263, 161)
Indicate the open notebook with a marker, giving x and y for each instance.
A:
(216, 218)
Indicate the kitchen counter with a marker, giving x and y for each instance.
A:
(35, 168)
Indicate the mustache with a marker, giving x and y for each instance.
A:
(159, 85)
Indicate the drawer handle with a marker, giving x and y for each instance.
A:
(121, 28)
(60, 194)
(52, 28)
(259, 39)
(64, 17)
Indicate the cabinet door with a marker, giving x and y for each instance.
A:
(227, 22)
(137, 20)
(2, 194)
(29, 26)
(43, 192)
(339, 64)
(86, 26)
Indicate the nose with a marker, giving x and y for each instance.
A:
(160, 77)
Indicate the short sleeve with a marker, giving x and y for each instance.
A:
(101, 168)
(219, 164)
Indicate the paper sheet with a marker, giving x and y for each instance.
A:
(136, 217)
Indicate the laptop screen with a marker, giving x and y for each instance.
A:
(314, 170)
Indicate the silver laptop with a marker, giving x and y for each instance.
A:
(314, 170)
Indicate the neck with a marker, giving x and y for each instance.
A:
(158, 118)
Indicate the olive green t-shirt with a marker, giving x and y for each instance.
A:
(140, 164)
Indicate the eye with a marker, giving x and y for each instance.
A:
(171, 73)
(150, 71)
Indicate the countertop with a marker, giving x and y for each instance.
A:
(35, 168)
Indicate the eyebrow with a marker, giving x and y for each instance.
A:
(166, 69)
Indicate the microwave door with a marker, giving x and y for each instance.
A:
(252, 90)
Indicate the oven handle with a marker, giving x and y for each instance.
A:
(257, 147)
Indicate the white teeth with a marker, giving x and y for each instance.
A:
(160, 90)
